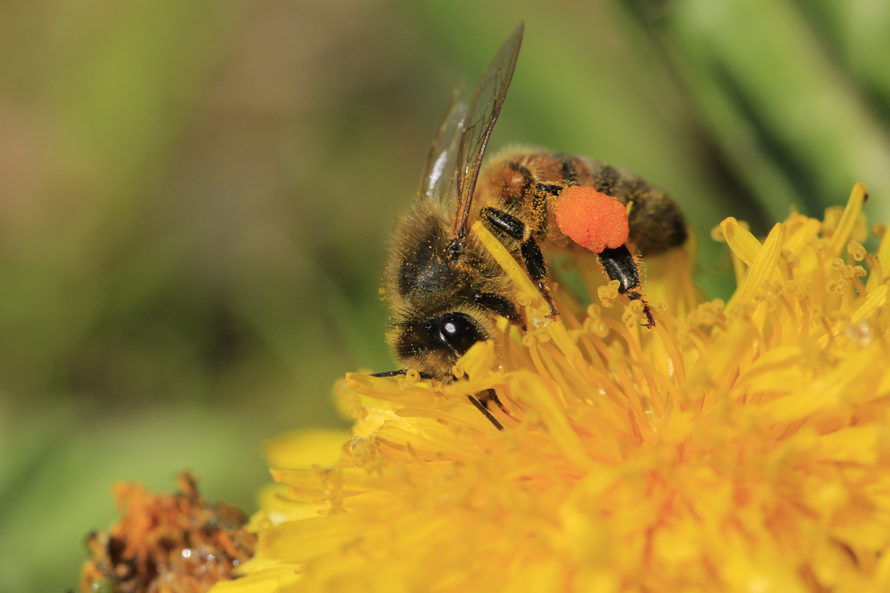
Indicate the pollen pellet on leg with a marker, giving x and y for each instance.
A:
(592, 219)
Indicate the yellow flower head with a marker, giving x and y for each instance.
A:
(736, 447)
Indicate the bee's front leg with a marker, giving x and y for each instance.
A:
(498, 304)
(507, 224)
(483, 407)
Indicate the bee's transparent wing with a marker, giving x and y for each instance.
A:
(438, 180)
(477, 124)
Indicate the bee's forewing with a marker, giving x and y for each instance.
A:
(478, 122)
(438, 180)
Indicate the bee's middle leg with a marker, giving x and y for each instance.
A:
(535, 265)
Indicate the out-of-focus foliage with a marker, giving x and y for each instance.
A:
(195, 197)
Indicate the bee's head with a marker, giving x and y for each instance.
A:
(434, 345)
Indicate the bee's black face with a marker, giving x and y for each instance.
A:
(456, 331)
(432, 346)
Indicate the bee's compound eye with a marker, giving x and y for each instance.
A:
(457, 330)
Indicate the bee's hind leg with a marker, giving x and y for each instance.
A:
(620, 265)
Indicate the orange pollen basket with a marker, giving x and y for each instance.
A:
(592, 219)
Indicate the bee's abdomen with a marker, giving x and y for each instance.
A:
(656, 222)
(528, 182)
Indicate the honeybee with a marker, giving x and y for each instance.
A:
(445, 290)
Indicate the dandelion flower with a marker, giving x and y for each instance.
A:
(738, 446)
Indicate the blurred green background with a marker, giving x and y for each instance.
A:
(195, 198)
